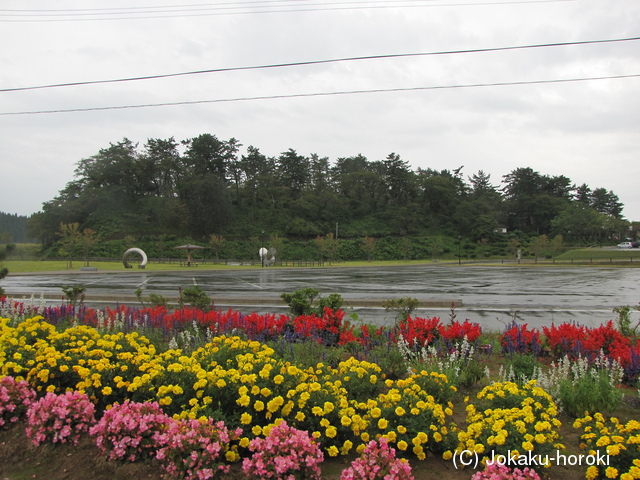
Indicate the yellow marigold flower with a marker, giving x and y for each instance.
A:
(383, 424)
(626, 476)
(614, 449)
(345, 420)
(591, 473)
(246, 418)
(392, 436)
(364, 436)
(611, 472)
(331, 432)
(300, 416)
(177, 390)
(231, 456)
(448, 455)
(402, 445)
(278, 379)
(400, 411)
(376, 412)
(528, 446)
(107, 391)
(346, 447)
(244, 442)
(317, 411)
(243, 401)
(333, 451)
(258, 406)
(402, 429)
(265, 392)
(256, 430)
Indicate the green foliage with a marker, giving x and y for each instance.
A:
(402, 306)
(211, 189)
(521, 368)
(74, 294)
(158, 300)
(624, 321)
(592, 392)
(13, 228)
(196, 297)
(301, 302)
(3, 273)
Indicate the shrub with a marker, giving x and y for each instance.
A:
(456, 362)
(511, 419)
(497, 471)
(520, 368)
(617, 442)
(15, 398)
(376, 462)
(196, 449)
(578, 385)
(60, 418)
(284, 453)
(128, 431)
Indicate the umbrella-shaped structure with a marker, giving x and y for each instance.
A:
(188, 247)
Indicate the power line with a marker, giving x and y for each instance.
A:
(240, 10)
(107, 10)
(318, 62)
(324, 94)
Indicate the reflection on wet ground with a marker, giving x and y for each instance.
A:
(491, 296)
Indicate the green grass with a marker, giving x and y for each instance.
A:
(600, 254)
(583, 255)
(35, 266)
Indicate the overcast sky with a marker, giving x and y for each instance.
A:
(588, 131)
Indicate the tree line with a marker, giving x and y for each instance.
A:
(13, 228)
(206, 186)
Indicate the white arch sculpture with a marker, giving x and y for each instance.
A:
(138, 251)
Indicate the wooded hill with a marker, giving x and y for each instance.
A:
(203, 186)
(13, 228)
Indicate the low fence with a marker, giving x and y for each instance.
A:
(620, 261)
(228, 261)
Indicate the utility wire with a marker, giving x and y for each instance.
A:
(189, 7)
(318, 62)
(17, 17)
(324, 94)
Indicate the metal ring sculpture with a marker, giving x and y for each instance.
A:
(134, 250)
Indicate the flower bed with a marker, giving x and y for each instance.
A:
(230, 392)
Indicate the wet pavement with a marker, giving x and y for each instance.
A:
(488, 295)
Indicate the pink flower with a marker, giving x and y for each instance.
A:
(285, 453)
(15, 398)
(378, 462)
(60, 418)
(128, 431)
